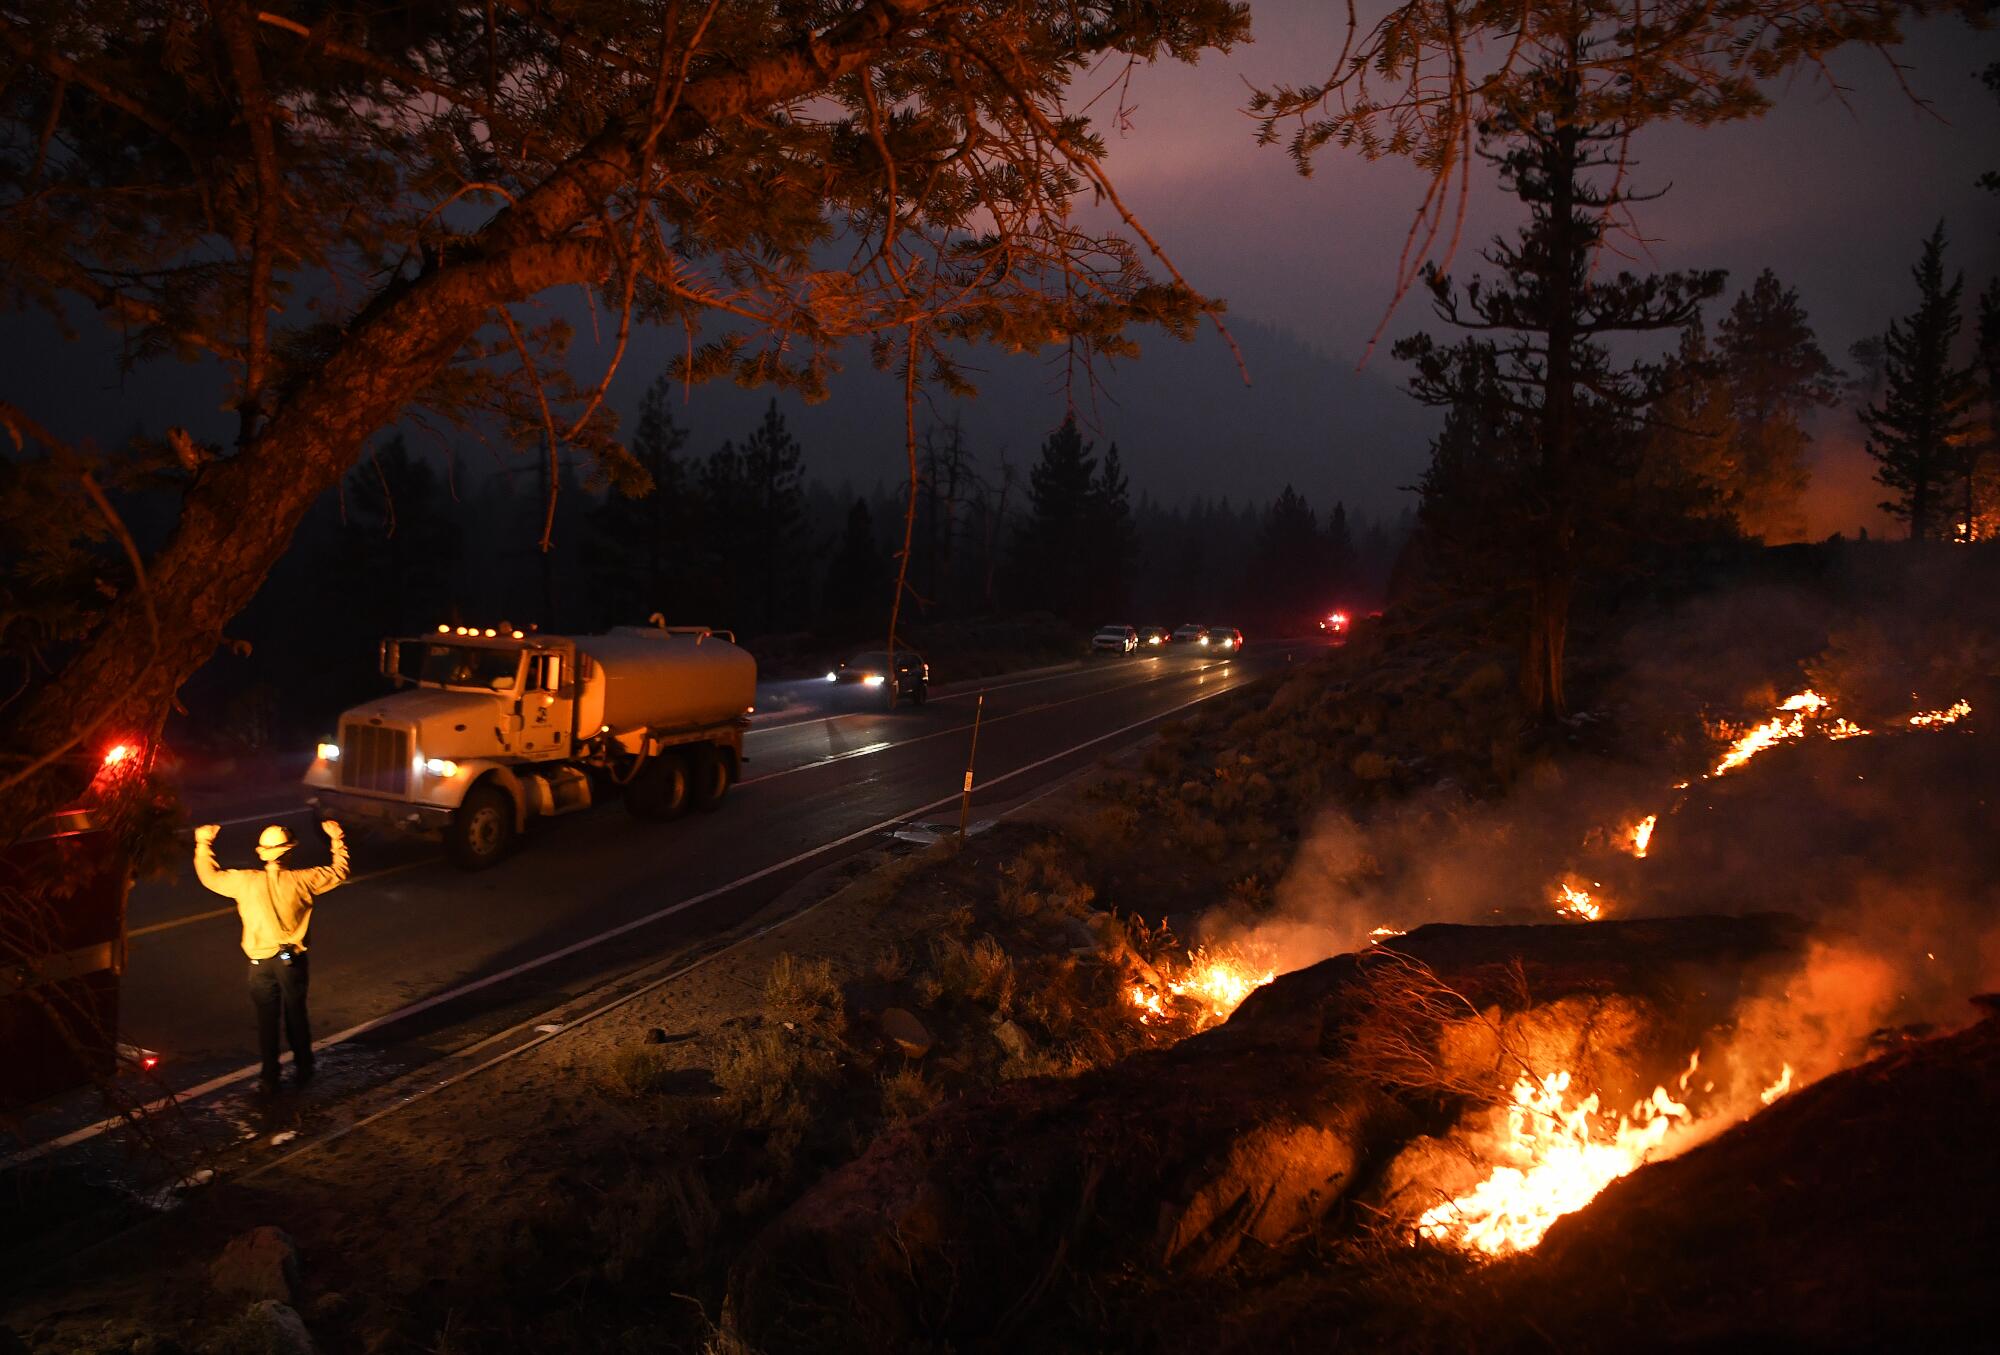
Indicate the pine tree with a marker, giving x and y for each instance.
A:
(640, 557)
(1693, 451)
(1341, 557)
(1053, 545)
(1777, 377)
(1919, 430)
(1982, 461)
(1288, 563)
(1561, 410)
(857, 579)
(1110, 539)
(771, 469)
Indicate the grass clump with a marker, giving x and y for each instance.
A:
(907, 1093)
(632, 1072)
(804, 995)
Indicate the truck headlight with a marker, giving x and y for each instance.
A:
(833, 677)
(329, 752)
(441, 766)
(872, 679)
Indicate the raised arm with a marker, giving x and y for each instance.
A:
(215, 879)
(323, 878)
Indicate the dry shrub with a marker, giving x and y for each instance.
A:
(804, 994)
(982, 972)
(891, 963)
(632, 1072)
(657, 1222)
(770, 1079)
(927, 989)
(907, 1093)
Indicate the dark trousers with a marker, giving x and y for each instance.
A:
(275, 984)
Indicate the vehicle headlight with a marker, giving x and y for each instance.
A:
(441, 766)
(833, 677)
(1204, 639)
(329, 752)
(872, 679)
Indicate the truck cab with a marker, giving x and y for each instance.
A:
(485, 729)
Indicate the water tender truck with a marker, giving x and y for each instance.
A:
(488, 729)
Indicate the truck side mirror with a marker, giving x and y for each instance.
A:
(390, 661)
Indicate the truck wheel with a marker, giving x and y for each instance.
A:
(921, 694)
(661, 789)
(482, 829)
(711, 778)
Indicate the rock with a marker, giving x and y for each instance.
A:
(1078, 937)
(259, 1264)
(1012, 1038)
(272, 1328)
(906, 1032)
(656, 1036)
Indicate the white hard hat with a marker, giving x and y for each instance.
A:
(274, 841)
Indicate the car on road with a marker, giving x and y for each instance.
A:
(1334, 623)
(1191, 634)
(1228, 639)
(869, 671)
(1114, 640)
(1155, 637)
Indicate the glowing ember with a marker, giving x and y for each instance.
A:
(1952, 714)
(1844, 729)
(1554, 1157)
(1214, 981)
(1778, 1088)
(1640, 835)
(1575, 902)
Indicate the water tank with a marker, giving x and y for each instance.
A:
(647, 677)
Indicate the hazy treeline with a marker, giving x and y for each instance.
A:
(745, 537)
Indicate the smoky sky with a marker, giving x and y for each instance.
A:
(1834, 189)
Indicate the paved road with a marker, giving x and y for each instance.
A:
(481, 951)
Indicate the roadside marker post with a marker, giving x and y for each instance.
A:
(965, 797)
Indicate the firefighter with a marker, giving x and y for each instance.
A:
(275, 906)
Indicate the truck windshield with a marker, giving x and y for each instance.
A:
(492, 670)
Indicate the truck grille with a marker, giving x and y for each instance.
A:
(375, 758)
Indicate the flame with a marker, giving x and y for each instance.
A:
(1778, 1088)
(1214, 982)
(1555, 1156)
(1931, 719)
(1640, 835)
(1384, 933)
(1575, 902)
(1747, 746)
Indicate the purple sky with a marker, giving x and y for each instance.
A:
(1835, 195)
(1835, 191)
(1826, 192)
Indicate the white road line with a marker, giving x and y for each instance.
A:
(966, 690)
(869, 750)
(249, 1070)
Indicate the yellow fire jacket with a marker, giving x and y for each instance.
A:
(275, 904)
